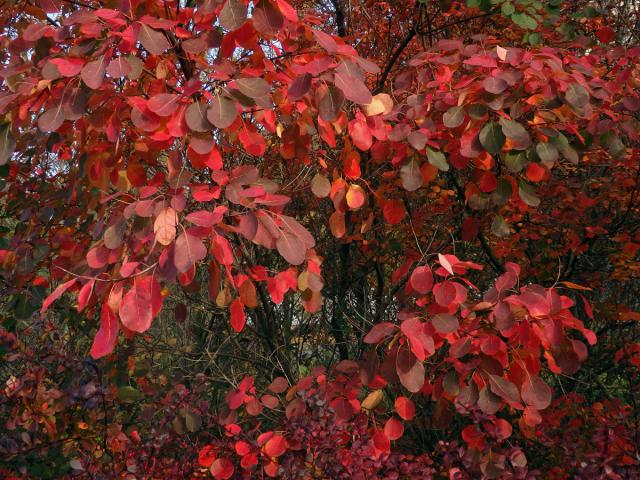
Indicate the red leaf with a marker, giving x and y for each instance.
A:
(51, 119)
(326, 41)
(494, 85)
(85, 294)
(381, 441)
(393, 211)
(606, 34)
(152, 40)
(393, 429)
(587, 306)
(35, 31)
(445, 293)
(535, 172)
(242, 448)
(204, 218)
(233, 15)
(275, 446)
(238, 317)
(222, 469)
(405, 408)
(445, 323)
(420, 342)
(287, 10)
(536, 392)
(141, 304)
(207, 455)
(119, 67)
(421, 279)
(252, 142)
(270, 401)
(57, 293)
(291, 247)
(279, 385)
(379, 332)
(343, 408)
(300, 86)
(107, 335)
(504, 388)
(68, 66)
(253, 87)
(409, 370)
(481, 61)
(330, 103)
(221, 249)
(222, 112)
(164, 104)
(360, 134)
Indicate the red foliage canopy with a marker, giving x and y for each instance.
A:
(429, 211)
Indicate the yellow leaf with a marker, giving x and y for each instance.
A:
(372, 400)
(381, 103)
(574, 286)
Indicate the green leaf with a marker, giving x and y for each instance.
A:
(437, 159)
(587, 12)
(193, 421)
(129, 395)
(570, 154)
(502, 193)
(515, 161)
(547, 152)
(527, 194)
(612, 144)
(577, 96)
(524, 21)
(508, 9)
(535, 38)
(492, 138)
(481, 4)
(516, 133)
(453, 117)
(477, 111)
(479, 201)
(499, 227)
(7, 143)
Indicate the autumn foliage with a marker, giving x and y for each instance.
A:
(319, 239)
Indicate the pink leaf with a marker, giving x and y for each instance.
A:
(93, 73)
(188, 251)
(353, 88)
(379, 332)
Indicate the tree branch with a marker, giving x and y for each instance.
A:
(394, 58)
(407, 39)
(340, 20)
